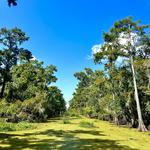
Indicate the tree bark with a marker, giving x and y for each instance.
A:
(141, 126)
(148, 72)
(3, 87)
(116, 120)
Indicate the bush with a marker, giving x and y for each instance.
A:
(24, 125)
(72, 113)
(105, 117)
(33, 110)
(86, 124)
(89, 112)
(14, 108)
(36, 109)
(3, 107)
(65, 121)
(13, 119)
(5, 126)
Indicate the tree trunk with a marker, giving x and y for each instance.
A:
(3, 88)
(133, 123)
(148, 72)
(141, 126)
(149, 82)
(116, 120)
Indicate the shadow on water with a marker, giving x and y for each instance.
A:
(64, 140)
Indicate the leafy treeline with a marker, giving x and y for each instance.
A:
(25, 84)
(120, 92)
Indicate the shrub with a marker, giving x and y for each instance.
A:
(5, 126)
(65, 121)
(86, 124)
(89, 111)
(14, 108)
(33, 110)
(24, 125)
(3, 107)
(72, 113)
(37, 109)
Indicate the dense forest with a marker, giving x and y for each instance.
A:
(25, 83)
(120, 92)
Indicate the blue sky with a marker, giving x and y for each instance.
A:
(62, 32)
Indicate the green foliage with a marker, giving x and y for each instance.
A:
(71, 113)
(36, 109)
(5, 126)
(3, 107)
(66, 121)
(86, 124)
(11, 53)
(29, 79)
(148, 107)
(54, 103)
(14, 108)
(33, 110)
(89, 111)
(25, 83)
(109, 94)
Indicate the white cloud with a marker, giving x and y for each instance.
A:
(121, 60)
(95, 49)
(134, 40)
(126, 39)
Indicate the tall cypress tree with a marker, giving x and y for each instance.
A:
(127, 39)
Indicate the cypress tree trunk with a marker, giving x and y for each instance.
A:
(141, 126)
(149, 82)
(3, 88)
(148, 72)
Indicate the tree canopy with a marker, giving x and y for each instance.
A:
(119, 93)
(25, 84)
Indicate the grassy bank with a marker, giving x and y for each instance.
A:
(75, 134)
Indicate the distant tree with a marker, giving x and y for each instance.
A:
(86, 96)
(54, 104)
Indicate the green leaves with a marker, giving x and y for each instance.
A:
(109, 94)
(26, 81)
(11, 52)
(29, 79)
